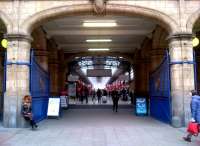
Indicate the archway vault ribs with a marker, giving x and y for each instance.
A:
(111, 9)
(193, 18)
(6, 21)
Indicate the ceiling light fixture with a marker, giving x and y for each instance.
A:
(98, 49)
(98, 40)
(99, 23)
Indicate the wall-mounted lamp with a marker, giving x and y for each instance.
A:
(4, 43)
(195, 42)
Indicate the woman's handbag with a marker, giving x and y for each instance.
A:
(193, 128)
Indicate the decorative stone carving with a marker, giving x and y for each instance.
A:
(99, 6)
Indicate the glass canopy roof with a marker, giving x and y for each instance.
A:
(98, 62)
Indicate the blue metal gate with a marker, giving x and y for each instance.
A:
(159, 88)
(39, 88)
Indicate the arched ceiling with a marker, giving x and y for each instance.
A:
(71, 36)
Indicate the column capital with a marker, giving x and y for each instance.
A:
(22, 37)
(182, 35)
(178, 36)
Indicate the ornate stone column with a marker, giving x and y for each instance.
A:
(141, 77)
(17, 78)
(159, 44)
(53, 70)
(40, 47)
(42, 58)
(156, 56)
(182, 77)
(62, 70)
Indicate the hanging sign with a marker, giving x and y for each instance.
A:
(99, 72)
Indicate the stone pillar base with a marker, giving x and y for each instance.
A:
(177, 122)
(12, 117)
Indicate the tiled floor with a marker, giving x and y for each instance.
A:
(97, 127)
(95, 101)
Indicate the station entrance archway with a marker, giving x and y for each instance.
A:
(151, 41)
(178, 113)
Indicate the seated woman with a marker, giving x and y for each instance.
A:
(27, 111)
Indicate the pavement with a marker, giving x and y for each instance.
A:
(95, 101)
(97, 127)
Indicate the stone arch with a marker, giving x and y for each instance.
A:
(192, 20)
(6, 21)
(112, 9)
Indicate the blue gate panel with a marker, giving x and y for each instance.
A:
(39, 87)
(160, 108)
(39, 108)
(159, 89)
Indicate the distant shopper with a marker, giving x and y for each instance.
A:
(105, 93)
(115, 99)
(78, 93)
(86, 94)
(132, 98)
(27, 111)
(82, 94)
(93, 95)
(99, 95)
(195, 111)
(124, 96)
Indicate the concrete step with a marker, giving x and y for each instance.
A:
(99, 106)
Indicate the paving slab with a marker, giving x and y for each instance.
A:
(97, 127)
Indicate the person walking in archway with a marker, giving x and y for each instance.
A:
(195, 112)
(99, 95)
(86, 94)
(124, 96)
(93, 95)
(115, 99)
(27, 111)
